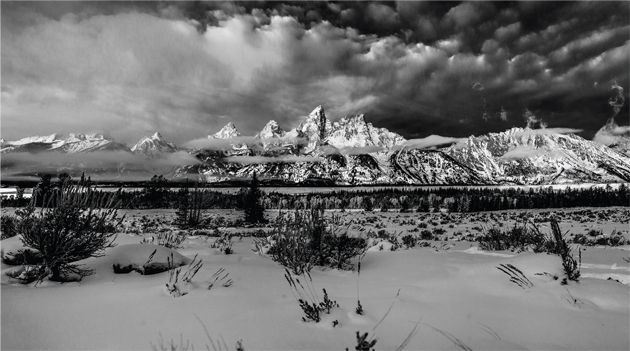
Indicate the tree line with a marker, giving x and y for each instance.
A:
(158, 194)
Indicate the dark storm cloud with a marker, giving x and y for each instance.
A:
(416, 68)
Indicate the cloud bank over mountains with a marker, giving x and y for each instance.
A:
(415, 68)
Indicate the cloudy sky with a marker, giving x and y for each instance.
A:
(417, 68)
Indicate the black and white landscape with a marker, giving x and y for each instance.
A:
(294, 175)
(349, 151)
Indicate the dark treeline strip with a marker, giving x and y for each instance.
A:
(158, 195)
(453, 199)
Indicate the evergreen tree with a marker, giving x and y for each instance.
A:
(156, 192)
(183, 208)
(85, 182)
(385, 205)
(254, 211)
(368, 206)
(189, 204)
(423, 205)
(404, 206)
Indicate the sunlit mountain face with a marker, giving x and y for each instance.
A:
(350, 151)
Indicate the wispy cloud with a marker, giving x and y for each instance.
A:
(220, 144)
(264, 159)
(548, 131)
(609, 135)
(430, 141)
(224, 144)
(361, 150)
(179, 158)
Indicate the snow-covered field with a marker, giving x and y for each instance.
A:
(440, 296)
(11, 191)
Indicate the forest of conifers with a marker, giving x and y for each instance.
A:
(158, 194)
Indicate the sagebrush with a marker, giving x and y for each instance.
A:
(69, 231)
(306, 238)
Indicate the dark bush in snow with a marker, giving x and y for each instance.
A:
(68, 232)
(8, 226)
(303, 239)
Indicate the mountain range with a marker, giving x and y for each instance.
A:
(349, 151)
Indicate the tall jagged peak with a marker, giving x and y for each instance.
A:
(318, 111)
(316, 126)
(355, 131)
(156, 137)
(227, 132)
(271, 130)
(272, 123)
(355, 119)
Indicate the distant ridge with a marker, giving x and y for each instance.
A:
(351, 151)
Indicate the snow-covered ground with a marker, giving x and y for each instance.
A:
(12, 191)
(455, 290)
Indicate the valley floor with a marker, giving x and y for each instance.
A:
(448, 294)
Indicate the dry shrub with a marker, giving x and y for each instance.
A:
(69, 231)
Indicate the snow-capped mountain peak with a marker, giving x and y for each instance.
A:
(355, 131)
(74, 143)
(316, 125)
(79, 143)
(537, 156)
(153, 147)
(227, 132)
(36, 139)
(313, 128)
(271, 130)
(352, 151)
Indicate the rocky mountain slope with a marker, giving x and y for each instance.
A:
(352, 151)
(74, 143)
(94, 154)
(153, 147)
(527, 156)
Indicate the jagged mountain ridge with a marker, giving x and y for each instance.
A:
(540, 157)
(153, 147)
(74, 143)
(227, 132)
(271, 130)
(352, 151)
(96, 154)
